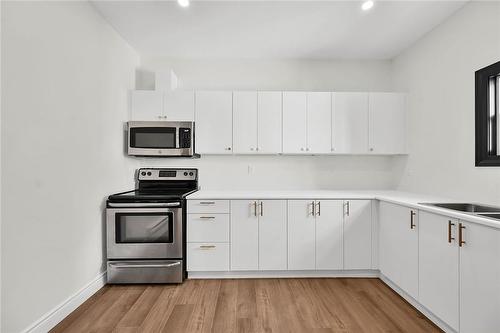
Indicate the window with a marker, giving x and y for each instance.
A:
(488, 116)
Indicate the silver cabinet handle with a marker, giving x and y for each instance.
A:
(318, 208)
(207, 202)
(251, 148)
(261, 209)
(313, 208)
(302, 149)
(347, 208)
(307, 149)
(207, 247)
(146, 265)
(257, 148)
(228, 148)
(207, 217)
(255, 208)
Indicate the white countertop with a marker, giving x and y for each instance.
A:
(411, 200)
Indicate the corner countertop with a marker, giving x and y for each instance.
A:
(408, 199)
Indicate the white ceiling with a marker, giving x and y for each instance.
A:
(274, 29)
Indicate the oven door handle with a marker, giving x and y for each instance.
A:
(143, 205)
(146, 265)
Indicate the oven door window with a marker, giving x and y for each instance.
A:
(153, 137)
(144, 228)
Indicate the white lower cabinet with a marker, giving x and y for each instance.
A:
(329, 234)
(244, 235)
(358, 234)
(301, 235)
(479, 279)
(318, 239)
(258, 235)
(398, 246)
(438, 266)
(207, 257)
(272, 235)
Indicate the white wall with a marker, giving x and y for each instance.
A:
(65, 79)
(438, 72)
(282, 172)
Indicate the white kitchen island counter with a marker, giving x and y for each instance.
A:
(411, 200)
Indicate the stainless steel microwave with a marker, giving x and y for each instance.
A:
(161, 138)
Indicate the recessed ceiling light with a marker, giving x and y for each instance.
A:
(367, 5)
(183, 3)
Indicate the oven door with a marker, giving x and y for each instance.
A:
(160, 138)
(144, 233)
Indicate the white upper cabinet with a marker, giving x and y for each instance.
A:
(438, 266)
(479, 279)
(146, 105)
(150, 105)
(179, 105)
(294, 122)
(245, 122)
(256, 122)
(350, 123)
(398, 244)
(358, 234)
(269, 108)
(329, 234)
(387, 123)
(214, 122)
(319, 129)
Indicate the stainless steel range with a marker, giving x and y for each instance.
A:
(146, 230)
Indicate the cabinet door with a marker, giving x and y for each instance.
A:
(387, 121)
(179, 105)
(294, 122)
(398, 246)
(272, 235)
(244, 235)
(438, 266)
(358, 234)
(301, 235)
(146, 105)
(319, 122)
(329, 234)
(269, 122)
(245, 122)
(350, 123)
(214, 122)
(479, 279)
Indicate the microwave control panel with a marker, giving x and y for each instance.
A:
(184, 137)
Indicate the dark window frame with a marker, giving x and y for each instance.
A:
(486, 135)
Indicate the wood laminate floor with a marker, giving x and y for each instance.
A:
(249, 305)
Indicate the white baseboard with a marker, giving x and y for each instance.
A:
(441, 324)
(284, 274)
(56, 315)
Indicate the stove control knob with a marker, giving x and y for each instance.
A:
(191, 173)
(143, 173)
(185, 173)
(149, 173)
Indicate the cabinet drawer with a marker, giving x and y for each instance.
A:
(208, 257)
(208, 206)
(208, 228)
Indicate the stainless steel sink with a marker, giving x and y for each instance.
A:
(490, 215)
(465, 207)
